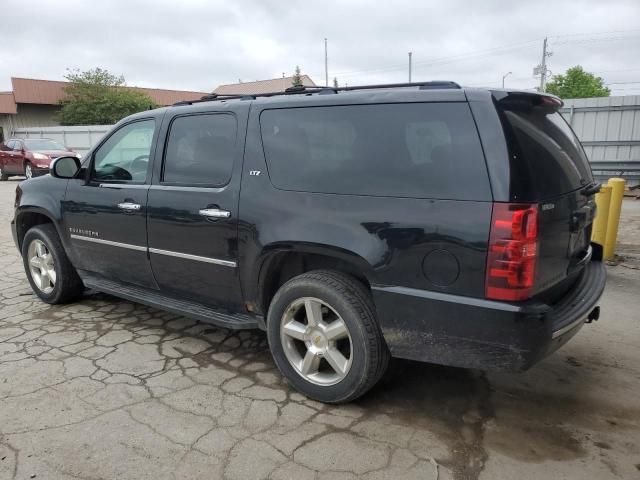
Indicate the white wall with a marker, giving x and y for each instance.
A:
(78, 138)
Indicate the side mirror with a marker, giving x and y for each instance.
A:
(64, 167)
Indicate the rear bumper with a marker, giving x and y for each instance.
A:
(477, 333)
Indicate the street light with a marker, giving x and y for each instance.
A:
(505, 76)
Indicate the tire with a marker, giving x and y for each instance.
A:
(66, 286)
(341, 298)
(3, 176)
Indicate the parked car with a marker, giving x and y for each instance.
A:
(30, 157)
(422, 221)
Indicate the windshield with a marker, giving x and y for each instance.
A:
(43, 144)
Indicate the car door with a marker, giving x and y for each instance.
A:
(193, 207)
(10, 158)
(105, 211)
(5, 156)
(18, 157)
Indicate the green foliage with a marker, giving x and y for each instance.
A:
(97, 97)
(576, 83)
(296, 81)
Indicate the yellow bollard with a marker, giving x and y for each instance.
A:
(603, 200)
(617, 193)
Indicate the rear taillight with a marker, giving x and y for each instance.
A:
(513, 251)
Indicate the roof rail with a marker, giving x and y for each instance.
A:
(309, 89)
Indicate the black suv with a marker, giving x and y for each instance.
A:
(421, 221)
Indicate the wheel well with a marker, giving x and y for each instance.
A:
(26, 221)
(283, 267)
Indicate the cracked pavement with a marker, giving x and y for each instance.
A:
(108, 389)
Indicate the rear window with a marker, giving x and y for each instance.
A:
(545, 152)
(420, 150)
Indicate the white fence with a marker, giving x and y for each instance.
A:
(79, 139)
(609, 129)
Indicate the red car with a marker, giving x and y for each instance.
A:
(30, 156)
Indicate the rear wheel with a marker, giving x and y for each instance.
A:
(3, 175)
(28, 170)
(324, 336)
(50, 273)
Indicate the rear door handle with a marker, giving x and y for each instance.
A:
(129, 206)
(214, 213)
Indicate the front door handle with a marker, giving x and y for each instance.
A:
(129, 206)
(214, 213)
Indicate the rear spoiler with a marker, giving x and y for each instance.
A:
(526, 100)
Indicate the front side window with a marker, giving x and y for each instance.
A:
(419, 150)
(125, 155)
(200, 150)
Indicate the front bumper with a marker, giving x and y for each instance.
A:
(477, 333)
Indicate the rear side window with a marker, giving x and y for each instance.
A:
(420, 150)
(200, 150)
(545, 152)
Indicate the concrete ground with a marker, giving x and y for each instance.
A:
(105, 388)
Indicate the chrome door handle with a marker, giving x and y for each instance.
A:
(129, 206)
(214, 213)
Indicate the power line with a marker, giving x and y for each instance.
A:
(592, 37)
(442, 60)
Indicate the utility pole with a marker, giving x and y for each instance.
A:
(505, 76)
(410, 53)
(326, 65)
(542, 68)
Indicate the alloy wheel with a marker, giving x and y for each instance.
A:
(28, 172)
(316, 341)
(41, 266)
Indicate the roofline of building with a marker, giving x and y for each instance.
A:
(264, 80)
(124, 86)
(36, 91)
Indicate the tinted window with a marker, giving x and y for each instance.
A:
(200, 150)
(545, 151)
(423, 150)
(125, 155)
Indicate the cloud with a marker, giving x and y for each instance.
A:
(198, 45)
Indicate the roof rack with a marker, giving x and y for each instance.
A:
(309, 89)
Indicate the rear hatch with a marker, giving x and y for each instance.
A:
(548, 167)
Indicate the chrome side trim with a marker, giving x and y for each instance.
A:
(109, 242)
(197, 258)
(135, 186)
(567, 328)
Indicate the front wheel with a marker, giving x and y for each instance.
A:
(324, 336)
(49, 271)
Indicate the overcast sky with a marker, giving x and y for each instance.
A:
(197, 45)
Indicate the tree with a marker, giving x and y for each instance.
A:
(296, 81)
(335, 82)
(97, 97)
(576, 83)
